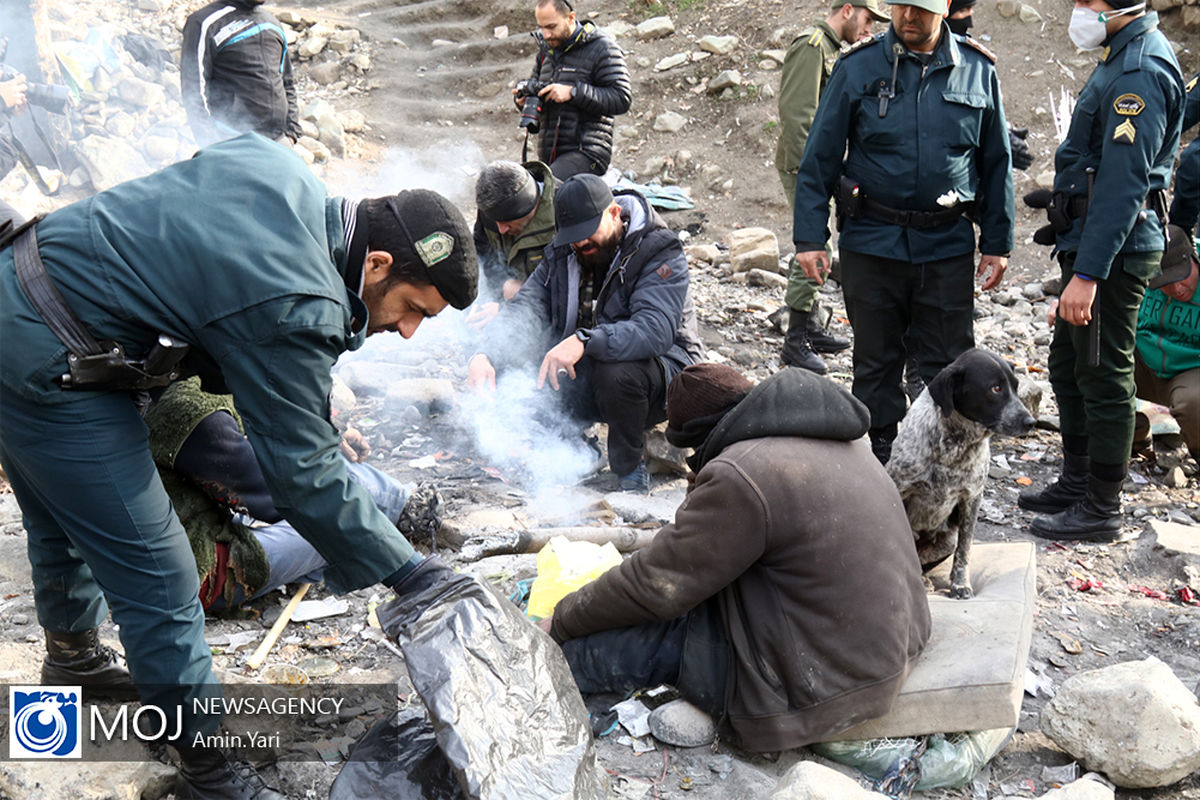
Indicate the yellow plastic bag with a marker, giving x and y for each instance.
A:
(563, 566)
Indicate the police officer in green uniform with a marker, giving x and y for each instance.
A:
(917, 115)
(239, 254)
(513, 225)
(1110, 173)
(806, 70)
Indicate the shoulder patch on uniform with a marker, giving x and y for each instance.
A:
(975, 44)
(1125, 132)
(815, 39)
(663, 272)
(1129, 105)
(862, 44)
(1187, 87)
(435, 247)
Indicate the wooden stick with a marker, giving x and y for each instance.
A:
(626, 540)
(255, 661)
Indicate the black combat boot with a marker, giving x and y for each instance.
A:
(78, 659)
(797, 352)
(206, 773)
(1063, 493)
(1095, 518)
(819, 337)
(881, 441)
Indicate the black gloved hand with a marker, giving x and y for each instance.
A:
(1045, 236)
(1021, 157)
(1038, 198)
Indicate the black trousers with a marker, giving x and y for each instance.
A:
(885, 298)
(630, 396)
(574, 163)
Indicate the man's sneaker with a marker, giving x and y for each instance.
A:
(636, 481)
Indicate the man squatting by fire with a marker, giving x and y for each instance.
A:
(609, 312)
(311, 276)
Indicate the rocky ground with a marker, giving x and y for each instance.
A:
(417, 94)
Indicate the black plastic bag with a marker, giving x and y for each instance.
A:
(506, 711)
(420, 772)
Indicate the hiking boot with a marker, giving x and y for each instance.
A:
(819, 337)
(206, 773)
(881, 441)
(1061, 494)
(1095, 518)
(797, 351)
(637, 481)
(78, 659)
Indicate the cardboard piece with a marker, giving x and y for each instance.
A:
(970, 676)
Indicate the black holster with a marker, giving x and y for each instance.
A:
(848, 198)
(91, 365)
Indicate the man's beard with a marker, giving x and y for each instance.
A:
(600, 258)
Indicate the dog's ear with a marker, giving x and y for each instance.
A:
(943, 387)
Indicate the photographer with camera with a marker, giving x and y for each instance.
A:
(12, 101)
(578, 84)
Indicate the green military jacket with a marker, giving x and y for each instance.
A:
(240, 253)
(806, 70)
(1126, 126)
(503, 256)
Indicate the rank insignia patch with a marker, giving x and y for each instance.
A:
(1125, 132)
(1129, 105)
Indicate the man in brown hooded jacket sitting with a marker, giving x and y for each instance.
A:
(786, 598)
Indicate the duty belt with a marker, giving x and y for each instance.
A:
(92, 365)
(914, 219)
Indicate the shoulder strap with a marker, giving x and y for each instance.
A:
(975, 44)
(44, 295)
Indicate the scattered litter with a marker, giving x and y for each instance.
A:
(1036, 684)
(634, 716)
(1186, 595)
(947, 762)
(309, 610)
(287, 674)
(1025, 480)
(424, 462)
(1070, 644)
(1060, 775)
(1153, 594)
(1084, 585)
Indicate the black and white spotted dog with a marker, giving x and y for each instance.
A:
(940, 457)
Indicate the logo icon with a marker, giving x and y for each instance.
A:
(44, 721)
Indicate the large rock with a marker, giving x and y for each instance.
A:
(671, 61)
(809, 780)
(1135, 722)
(655, 28)
(669, 122)
(751, 248)
(110, 161)
(718, 45)
(1082, 789)
(141, 94)
(725, 79)
(24, 780)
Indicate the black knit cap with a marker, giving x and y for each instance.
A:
(439, 238)
(959, 5)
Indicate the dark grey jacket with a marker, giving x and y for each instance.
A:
(643, 310)
(594, 65)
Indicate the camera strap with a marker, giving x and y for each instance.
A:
(27, 161)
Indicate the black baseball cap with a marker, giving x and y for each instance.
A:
(579, 206)
(1176, 262)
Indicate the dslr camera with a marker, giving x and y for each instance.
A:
(531, 108)
(52, 98)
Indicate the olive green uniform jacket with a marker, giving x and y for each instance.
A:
(503, 256)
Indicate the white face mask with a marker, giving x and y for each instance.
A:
(1088, 29)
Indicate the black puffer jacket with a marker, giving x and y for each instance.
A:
(594, 65)
(235, 74)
